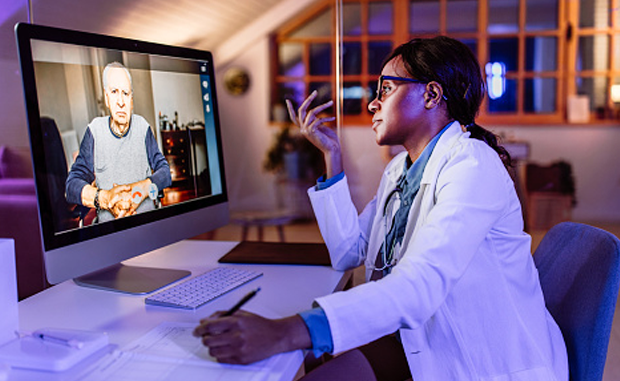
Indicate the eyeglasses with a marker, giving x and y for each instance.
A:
(381, 91)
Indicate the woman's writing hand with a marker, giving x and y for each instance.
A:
(244, 338)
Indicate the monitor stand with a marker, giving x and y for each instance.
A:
(131, 279)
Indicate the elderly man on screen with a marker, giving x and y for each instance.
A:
(119, 169)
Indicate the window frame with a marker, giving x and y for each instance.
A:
(567, 35)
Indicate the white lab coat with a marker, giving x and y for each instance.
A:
(465, 293)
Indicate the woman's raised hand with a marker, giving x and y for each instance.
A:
(313, 127)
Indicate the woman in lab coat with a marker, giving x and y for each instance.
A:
(452, 291)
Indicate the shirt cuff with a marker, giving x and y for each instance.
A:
(318, 327)
(323, 183)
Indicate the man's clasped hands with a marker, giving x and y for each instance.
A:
(123, 200)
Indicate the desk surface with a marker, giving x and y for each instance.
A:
(285, 290)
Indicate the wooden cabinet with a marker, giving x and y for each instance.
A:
(177, 151)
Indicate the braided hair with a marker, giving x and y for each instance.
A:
(452, 64)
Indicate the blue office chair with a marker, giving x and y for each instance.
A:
(579, 270)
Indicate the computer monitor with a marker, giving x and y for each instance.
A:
(87, 132)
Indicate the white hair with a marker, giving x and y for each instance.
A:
(115, 65)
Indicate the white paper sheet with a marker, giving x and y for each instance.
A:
(170, 352)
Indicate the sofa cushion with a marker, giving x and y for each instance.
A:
(17, 186)
(15, 162)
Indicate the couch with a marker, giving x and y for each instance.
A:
(19, 218)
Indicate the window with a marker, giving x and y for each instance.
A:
(534, 53)
(595, 65)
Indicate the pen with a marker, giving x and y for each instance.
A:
(53, 339)
(240, 303)
(59, 340)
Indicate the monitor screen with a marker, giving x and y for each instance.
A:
(126, 147)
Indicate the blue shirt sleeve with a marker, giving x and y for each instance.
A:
(82, 171)
(323, 183)
(320, 334)
(161, 170)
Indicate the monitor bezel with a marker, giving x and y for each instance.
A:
(53, 241)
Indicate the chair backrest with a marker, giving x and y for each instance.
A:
(56, 170)
(579, 270)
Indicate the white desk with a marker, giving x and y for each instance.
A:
(285, 290)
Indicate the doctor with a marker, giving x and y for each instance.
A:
(452, 291)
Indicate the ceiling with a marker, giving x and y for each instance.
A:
(200, 24)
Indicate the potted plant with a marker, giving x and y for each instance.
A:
(293, 157)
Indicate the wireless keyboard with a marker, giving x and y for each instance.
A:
(193, 293)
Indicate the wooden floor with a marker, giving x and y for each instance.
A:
(307, 231)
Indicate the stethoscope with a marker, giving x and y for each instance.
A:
(388, 254)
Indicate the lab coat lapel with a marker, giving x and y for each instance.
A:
(425, 198)
(438, 158)
(391, 176)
